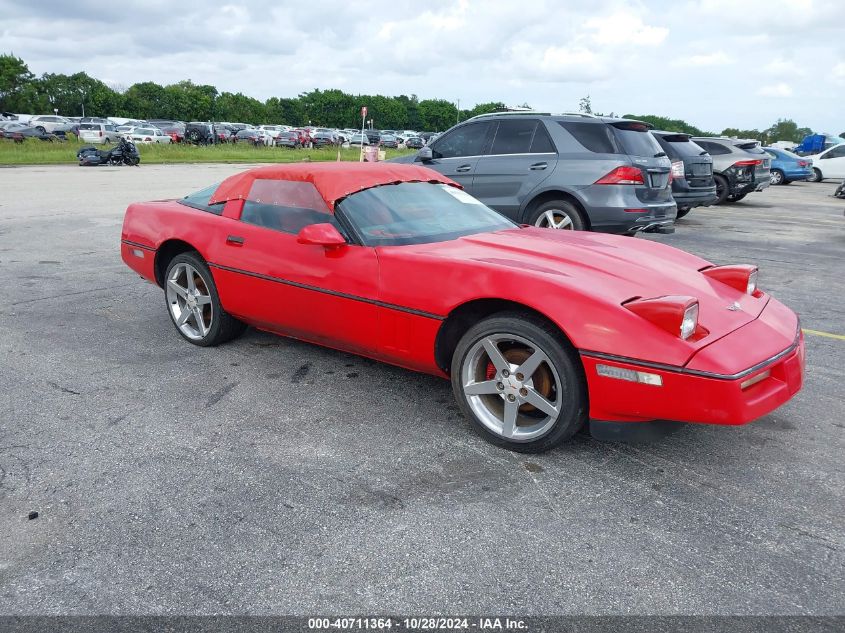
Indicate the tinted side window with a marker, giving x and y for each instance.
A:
(284, 205)
(199, 200)
(542, 143)
(836, 152)
(468, 140)
(714, 149)
(595, 137)
(514, 136)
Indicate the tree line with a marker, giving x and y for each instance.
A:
(80, 94)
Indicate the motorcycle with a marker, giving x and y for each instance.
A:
(124, 153)
(840, 191)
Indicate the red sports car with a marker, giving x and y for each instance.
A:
(538, 330)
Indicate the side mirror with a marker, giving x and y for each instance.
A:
(321, 235)
(424, 155)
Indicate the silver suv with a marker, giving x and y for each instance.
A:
(569, 171)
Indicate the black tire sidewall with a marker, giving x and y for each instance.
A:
(567, 364)
(817, 176)
(578, 221)
(214, 334)
(682, 213)
(726, 190)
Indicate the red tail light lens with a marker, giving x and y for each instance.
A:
(802, 163)
(743, 277)
(748, 163)
(678, 315)
(101, 134)
(625, 175)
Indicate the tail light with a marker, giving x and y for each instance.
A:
(677, 169)
(678, 315)
(625, 175)
(748, 163)
(802, 163)
(147, 138)
(743, 277)
(101, 134)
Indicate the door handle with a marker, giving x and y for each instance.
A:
(463, 168)
(235, 240)
(537, 166)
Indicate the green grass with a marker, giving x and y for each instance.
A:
(35, 152)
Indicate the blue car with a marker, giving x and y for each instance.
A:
(787, 166)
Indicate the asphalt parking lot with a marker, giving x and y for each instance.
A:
(272, 476)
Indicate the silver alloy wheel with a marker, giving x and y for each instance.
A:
(776, 177)
(555, 219)
(511, 386)
(189, 301)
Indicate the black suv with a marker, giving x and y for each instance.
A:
(570, 171)
(200, 133)
(692, 171)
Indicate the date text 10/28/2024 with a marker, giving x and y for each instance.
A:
(434, 623)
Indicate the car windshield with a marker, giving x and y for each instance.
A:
(418, 213)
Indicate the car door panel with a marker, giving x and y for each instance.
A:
(269, 279)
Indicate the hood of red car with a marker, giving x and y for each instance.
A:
(613, 268)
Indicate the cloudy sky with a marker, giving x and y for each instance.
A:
(715, 63)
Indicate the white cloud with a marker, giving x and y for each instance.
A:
(776, 90)
(785, 68)
(839, 71)
(717, 58)
(624, 28)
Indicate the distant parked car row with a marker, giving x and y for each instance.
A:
(583, 172)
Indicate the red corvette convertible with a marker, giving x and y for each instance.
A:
(539, 330)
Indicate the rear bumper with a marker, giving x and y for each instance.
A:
(693, 396)
(688, 197)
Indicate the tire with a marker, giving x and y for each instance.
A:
(207, 323)
(722, 188)
(556, 383)
(732, 198)
(682, 213)
(41, 129)
(816, 177)
(776, 177)
(558, 214)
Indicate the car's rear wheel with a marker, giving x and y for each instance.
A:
(194, 305)
(816, 176)
(776, 177)
(682, 213)
(520, 385)
(558, 214)
(41, 129)
(722, 188)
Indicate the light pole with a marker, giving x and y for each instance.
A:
(82, 93)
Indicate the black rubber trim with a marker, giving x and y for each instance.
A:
(693, 372)
(334, 293)
(144, 246)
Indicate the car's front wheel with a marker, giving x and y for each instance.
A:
(816, 176)
(558, 214)
(520, 384)
(194, 305)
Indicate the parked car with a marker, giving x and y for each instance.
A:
(389, 140)
(52, 124)
(323, 139)
(200, 133)
(304, 137)
(148, 136)
(692, 171)
(414, 142)
(739, 167)
(576, 172)
(18, 131)
(569, 327)
(787, 167)
(96, 119)
(359, 139)
(288, 139)
(828, 164)
(373, 136)
(98, 133)
(174, 129)
(255, 137)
